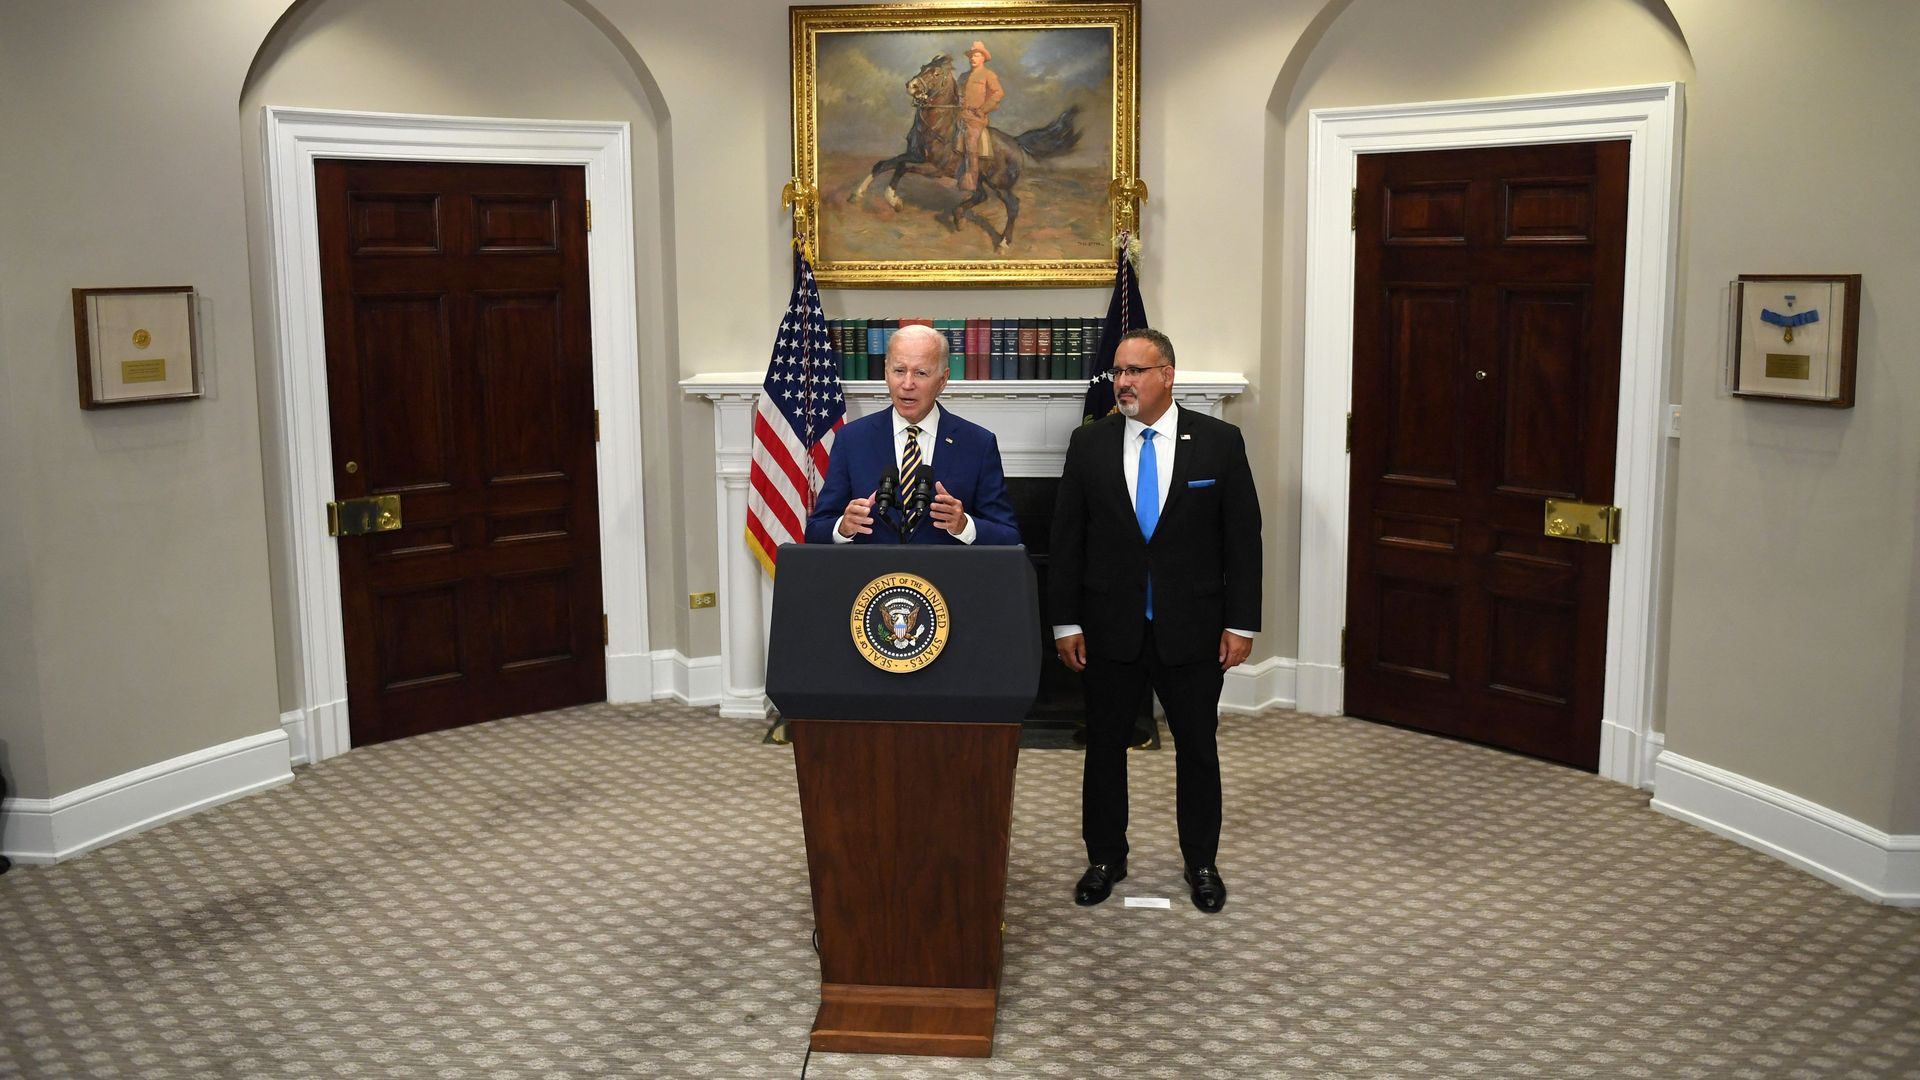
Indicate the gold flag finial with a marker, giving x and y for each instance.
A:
(1125, 194)
(805, 202)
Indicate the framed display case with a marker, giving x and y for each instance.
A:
(1795, 338)
(135, 346)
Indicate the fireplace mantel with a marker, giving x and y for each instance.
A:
(1032, 418)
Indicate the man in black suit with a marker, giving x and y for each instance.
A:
(1154, 583)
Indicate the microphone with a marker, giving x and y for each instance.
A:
(919, 498)
(884, 497)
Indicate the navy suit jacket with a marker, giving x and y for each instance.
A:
(966, 462)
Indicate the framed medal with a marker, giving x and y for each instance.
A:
(1795, 338)
(135, 346)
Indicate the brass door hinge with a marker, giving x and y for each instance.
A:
(1343, 646)
(606, 634)
(1349, 433)
(589, 215)
(596, 425)
(1353, 215)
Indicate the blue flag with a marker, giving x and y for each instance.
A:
(1126, 311)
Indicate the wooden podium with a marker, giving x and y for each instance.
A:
(906, 789)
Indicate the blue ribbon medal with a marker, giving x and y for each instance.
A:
(1790, 320)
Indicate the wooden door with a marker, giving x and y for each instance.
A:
(1486, 379)
(459, 373)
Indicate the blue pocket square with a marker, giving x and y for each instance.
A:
(1199, 483)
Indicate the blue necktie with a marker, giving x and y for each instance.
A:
(1146, 499)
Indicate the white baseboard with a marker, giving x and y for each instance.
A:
(632, 676)
(1268, 684)
(1883, 868)
(42, 831)
(1627, 755)
(295, 725)
(694, 681)
(1319, 688)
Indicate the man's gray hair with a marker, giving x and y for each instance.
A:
(900, 336)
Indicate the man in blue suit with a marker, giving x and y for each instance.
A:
(918, 438)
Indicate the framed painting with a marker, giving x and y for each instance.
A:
(1795, 338)
(979, 144)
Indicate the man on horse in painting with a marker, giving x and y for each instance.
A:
(980, 94)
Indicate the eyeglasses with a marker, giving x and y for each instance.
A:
(1131, 372)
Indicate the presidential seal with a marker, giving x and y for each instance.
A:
(142, 339)
(899, 622)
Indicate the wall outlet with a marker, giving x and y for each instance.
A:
(700, 599)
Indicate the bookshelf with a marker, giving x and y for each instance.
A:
(979, 348)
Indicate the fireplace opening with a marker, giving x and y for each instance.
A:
(1058, 716)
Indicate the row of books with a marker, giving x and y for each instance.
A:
(1037, 348)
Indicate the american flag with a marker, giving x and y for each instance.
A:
(799, 412)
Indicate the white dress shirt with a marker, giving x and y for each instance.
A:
(929, 441)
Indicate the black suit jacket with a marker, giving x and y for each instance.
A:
(1204, 556)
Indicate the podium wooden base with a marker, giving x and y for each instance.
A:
(908, 829)
(931, 1021)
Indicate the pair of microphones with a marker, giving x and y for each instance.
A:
(912, 503)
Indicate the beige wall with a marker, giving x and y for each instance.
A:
(142, 529)
(145, 169)
(23, 755)
(1794, 561)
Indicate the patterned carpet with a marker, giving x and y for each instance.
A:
(622, 891)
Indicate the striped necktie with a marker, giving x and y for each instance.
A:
(1146, 498)
(910, 471)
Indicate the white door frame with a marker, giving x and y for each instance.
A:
(292, 140)
(1649, 118)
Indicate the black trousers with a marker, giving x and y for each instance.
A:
(1191, 695)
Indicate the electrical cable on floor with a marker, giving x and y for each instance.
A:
(809, 1058)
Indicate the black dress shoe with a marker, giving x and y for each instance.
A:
(1097, 883)
(1209, 892)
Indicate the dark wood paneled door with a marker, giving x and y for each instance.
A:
(1486, 361)
(459, 372)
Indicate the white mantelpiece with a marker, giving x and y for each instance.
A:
(1032, 418)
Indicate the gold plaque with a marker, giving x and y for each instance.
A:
(1788, 365)
(899, 622)
(137, 371)
(142, 339)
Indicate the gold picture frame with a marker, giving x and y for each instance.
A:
(1795, 338)
(136, 346)
(1054, 173)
